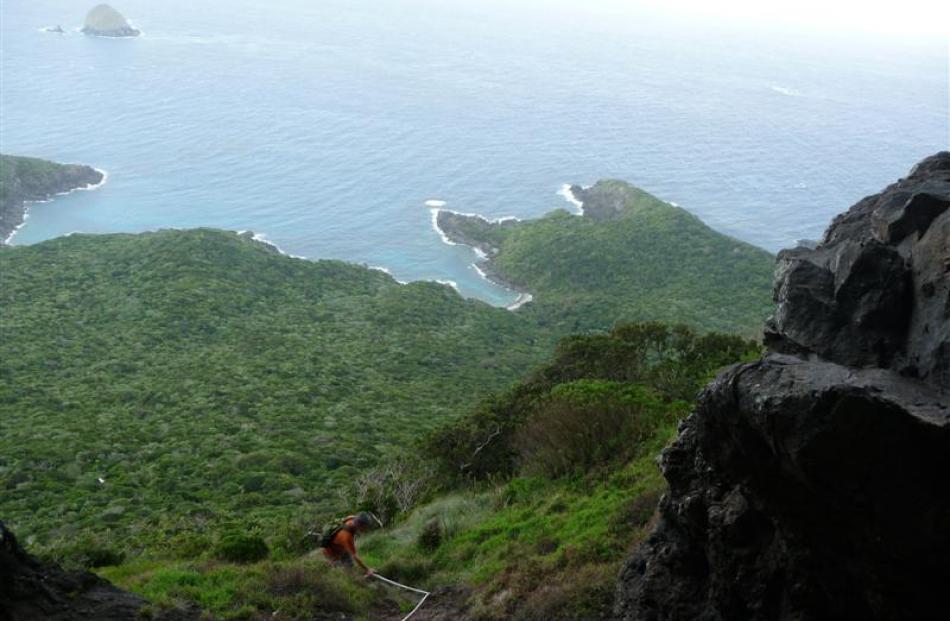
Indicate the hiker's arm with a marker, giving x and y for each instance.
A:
(351, 548)
(364, 566)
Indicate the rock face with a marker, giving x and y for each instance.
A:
(29, 590)
(815, 483)
(32, 591)
(104, 21)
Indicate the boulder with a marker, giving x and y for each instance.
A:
(31, 591)
(813, 484)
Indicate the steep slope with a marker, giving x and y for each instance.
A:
(188, 379)
(813, 484)
(628, 257)
(31, 179)
(521, 509)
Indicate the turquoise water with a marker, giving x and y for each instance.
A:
(327, 126)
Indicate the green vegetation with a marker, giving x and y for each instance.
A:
(538, 534)
(288, 590)
(626, 369)
(546, 487)
(159, 390)
(180, 408)
(633, 258)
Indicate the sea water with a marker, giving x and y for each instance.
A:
(333, 128)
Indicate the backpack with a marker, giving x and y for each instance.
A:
(330, 531)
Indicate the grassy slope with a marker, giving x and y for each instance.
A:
(207, 380)
(534, 548)
(653, 262)
(517, 545)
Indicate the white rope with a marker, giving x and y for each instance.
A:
(425, 594)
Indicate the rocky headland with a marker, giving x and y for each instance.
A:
(105, 21)
(25, 179)
(605, 200)
(813, 484)
(482, 235)
(620, 252)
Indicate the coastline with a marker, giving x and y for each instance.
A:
(567, 192)
(483, 265)
(21, 212)
(261, 239)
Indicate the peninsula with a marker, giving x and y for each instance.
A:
(628, 256)
(25, 179)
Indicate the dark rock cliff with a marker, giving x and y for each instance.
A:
(33, 591)
(815, 483)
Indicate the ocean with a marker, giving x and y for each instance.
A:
(333, 128)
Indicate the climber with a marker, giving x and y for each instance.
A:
(339, 544)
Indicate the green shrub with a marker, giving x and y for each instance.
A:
(586, 424)
(579, 595)
(104, 557)
(242, 549)
(671, 362)
(407, 570)
(89, 552)
(311, 583)
(430, 537)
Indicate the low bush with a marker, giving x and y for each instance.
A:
(674, 362)
(238, 548)
(587, 424)
(302, 581)
(430, 537)
(412, 570)
(581, 595)
(89, 552)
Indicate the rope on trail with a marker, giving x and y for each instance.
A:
(425, 594)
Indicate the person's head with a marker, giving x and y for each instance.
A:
(364, 521)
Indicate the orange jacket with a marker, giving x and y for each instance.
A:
(343, 542)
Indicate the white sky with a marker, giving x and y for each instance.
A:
(894, 17)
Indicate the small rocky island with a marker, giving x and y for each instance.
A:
(104, 21)
(31, 179)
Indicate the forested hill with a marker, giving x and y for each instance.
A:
(629, 257)
(182, 378)
(186, 381)
(32, 179)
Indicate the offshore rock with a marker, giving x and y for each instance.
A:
(814, 483)
(104, 21)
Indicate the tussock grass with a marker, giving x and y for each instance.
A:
(288, 590)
